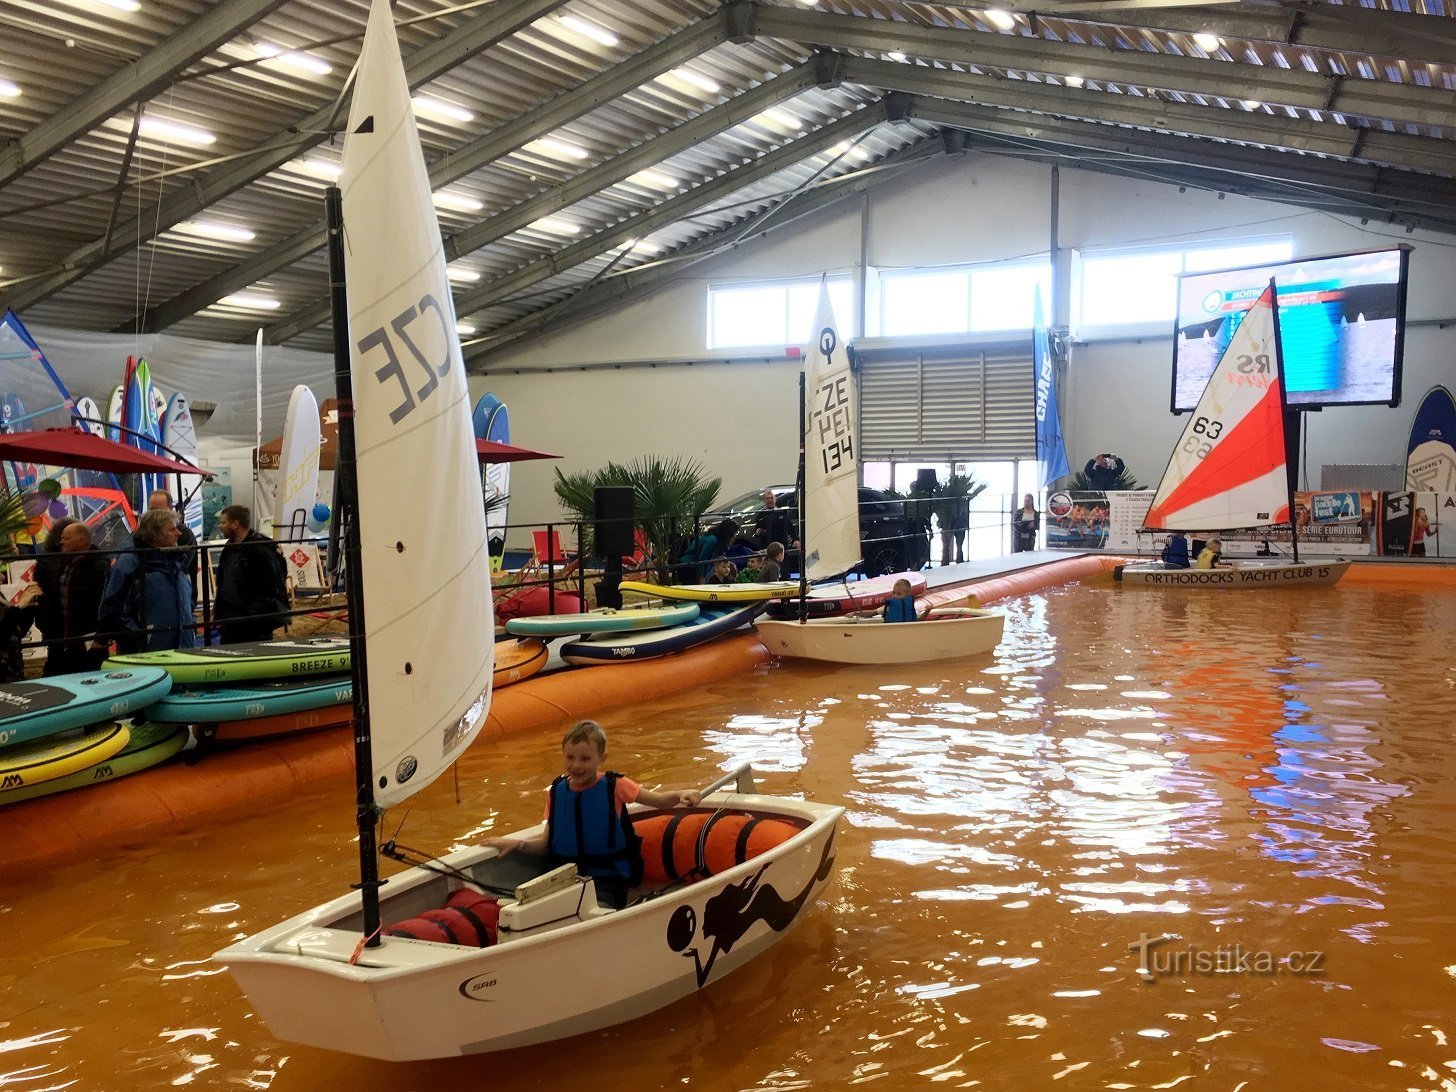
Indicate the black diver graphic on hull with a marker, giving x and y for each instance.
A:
(729, 914)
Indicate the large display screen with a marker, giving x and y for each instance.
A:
(1341, 326)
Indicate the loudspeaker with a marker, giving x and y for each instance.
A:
(925, 480)
(613, 514)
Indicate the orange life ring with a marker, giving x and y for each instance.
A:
(670, 841)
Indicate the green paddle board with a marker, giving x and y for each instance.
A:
(259, 660)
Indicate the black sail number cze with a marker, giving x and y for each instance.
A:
(394, 369)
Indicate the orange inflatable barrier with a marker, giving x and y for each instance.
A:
(1023, 582)
(670, 842)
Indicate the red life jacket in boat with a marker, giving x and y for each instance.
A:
(468, 918)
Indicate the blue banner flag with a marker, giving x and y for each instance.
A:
(1051, 452)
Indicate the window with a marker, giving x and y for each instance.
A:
(781, 314)
(1139, 289)
(960, 301)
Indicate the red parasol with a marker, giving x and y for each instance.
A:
(489, 451)
(81, 450)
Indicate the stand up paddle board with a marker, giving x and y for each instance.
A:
(42, 760)
(517, 660)
(149, 745)
(602, 620)
(632, 647)
(33, 710)
(279, 724)
(715, 593)
(90, 418)
(115, 411)
(298, 465)
(213, 704)
(1430, 462)
(256, 660)
(491, 421)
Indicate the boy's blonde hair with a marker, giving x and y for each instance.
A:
(586, 731)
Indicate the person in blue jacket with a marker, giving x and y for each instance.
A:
(147, 602)
(900, 607)
(587, 821)
(1175, 554)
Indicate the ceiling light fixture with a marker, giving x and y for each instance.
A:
(457, 202)
(696, 79)
(647, 246)
(120, 5)
(462, 276)
(1207, 42)
(556, 225)
(464, 329)
(560, 149)
(439, 108)
(655, 179)
(590, 30)
(211, 229)
(896, 56)
(9, 90)
(1002, 18)
(1251, 104)
(250, 302)
(776, 117)
(293, 59)
(174, 132)
(1075, 81)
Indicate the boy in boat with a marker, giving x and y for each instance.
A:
(586, 817)
(1175, 553)
(900, 607)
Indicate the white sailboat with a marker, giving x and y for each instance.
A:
(1231, 470)
(829, 516)
(332, 976)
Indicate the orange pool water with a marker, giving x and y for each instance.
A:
(1264, 780)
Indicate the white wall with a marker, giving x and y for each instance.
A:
(740, 418)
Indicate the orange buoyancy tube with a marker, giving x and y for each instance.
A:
(468, 918)
(670, 842)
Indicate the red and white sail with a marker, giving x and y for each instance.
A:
(1229, 468)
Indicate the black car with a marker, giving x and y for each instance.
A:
(885, 541)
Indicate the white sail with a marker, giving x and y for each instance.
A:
(831, 452)
(298, 464)
(1229, 469)
(424, 564)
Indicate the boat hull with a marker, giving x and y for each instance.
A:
(1240, 575)
(409, 999)
(962, 633)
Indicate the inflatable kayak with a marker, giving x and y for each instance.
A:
(624, 647)
(262, 699)
(827, 600)
(603, 620)
(34, 710)
(259, 660)
(715, 593)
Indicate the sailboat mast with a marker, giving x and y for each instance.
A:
(803, 497)
(347, 491)
(1291, 421)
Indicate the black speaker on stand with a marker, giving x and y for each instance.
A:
(614, 515)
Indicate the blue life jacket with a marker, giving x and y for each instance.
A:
(1175, 554)
(900, 610)
(587, 828)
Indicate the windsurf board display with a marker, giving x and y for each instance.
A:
(827, 600)
(115, 413)
(715, 593)
(491, 421)
(256, 660)
(12, 419)
(602, 620)
(298, 465)
(180, 435)
(149, 745)
(89, 417)
(633, 647)
(43, 707)
(156, 409)
(260, 699)
(1430, 463)
(41, 760)
(519, 659)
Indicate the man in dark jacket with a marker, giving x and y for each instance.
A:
(252, 591)
(1103, 472)
(77, 602)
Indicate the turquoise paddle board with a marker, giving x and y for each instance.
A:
(149, 745)
(258, 660)
(261, 699)
(32, 710)
(631, 647)
(603, 620)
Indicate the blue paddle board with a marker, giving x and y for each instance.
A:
(1430, 462)
(650, 644)
(33, 710)
(260, 699)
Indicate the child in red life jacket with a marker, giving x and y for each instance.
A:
(587, 821)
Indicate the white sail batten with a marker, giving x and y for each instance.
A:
(1229, 469)
(426, 581)
(831, 452)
